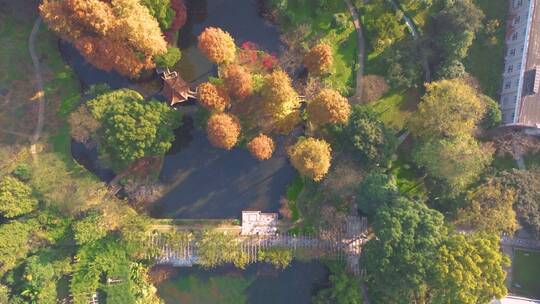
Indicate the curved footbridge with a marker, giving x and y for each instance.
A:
(259, 231)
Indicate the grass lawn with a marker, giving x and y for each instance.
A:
(395, 108)
(532, 160)
(504, 163)
(293, 191)
(526, 273)
(486, 56)
(323, 28)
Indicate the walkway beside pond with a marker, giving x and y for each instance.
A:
(357, 98)
(39, 83)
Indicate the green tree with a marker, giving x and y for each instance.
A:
(169, 59)
(493, 116)
(4, 294)
(215, 248)
(133, 128)
(489, 208)
(367, 136)
(469, 270)
(344, 289)
(14, 243)
(526, 184)
(161, 10)
(376, 190)
(449, 108)
(90, 228)
(15, 197)
(40, 281)
(400, 258)
(279, 257)
(457, 161)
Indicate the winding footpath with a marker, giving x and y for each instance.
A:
(361, 51)
(39, 84)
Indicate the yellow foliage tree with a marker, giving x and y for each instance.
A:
(223, 130)
(280, 101)
(328, 107)
(213, 97)
(261, 147)
(311, 157)
(319, 59)
(449, 108)
(217, 45)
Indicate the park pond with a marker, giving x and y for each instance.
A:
(258, 284)
(205, 182)
(202, 181)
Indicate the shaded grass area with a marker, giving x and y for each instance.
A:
(396, 107)
(325, 27)
(504, 162)
(532, 160)
(15, 62)
(525, 270)
(486, 55)
(293, 191)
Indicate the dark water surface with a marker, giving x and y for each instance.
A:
(258, 284)
(210, 182)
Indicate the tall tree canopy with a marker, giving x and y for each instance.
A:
(367, 136)
(311, 157)
(457, 161)
(90, 228)
(213, 97)
(400, 259)
(344, 289)
(15, 197)
(261, 147)
(223, 130)
(116, 34)
(217, 45)
(469, 270)
(489, 208)
(238, 81)
(449, 108)
(319, 59)
(376, 190)
(132, 128)
(526, 185)
(14, 243)
(328, 106)
(281, 102)
(161, 10)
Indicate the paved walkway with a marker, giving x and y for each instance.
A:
(357, 98)
(39, 81)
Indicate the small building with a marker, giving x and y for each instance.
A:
(520, 94)
(175, 88)
(258, 223)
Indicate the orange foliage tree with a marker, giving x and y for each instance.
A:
(217, 45)
(213, 97)
(113, 34)
(238, 81)
(223, 130)
(261, 147)
(319, 59)
(311, 157)
(328, 106)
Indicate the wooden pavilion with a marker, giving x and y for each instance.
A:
(175, 88)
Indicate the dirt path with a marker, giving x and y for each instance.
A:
(361, 51)
(39, 83)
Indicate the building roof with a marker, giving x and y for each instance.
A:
(175, 89)
(530, 104)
